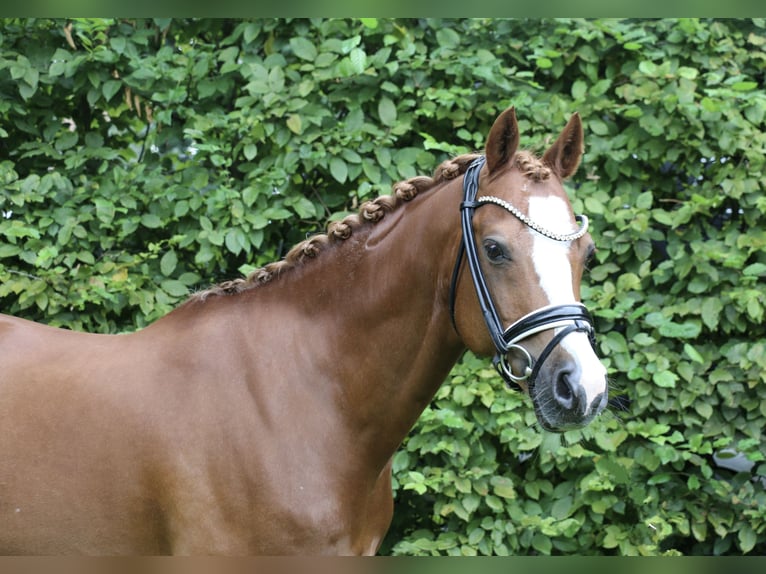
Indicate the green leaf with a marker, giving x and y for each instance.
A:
(415, 480)
(755, 114)
(251, 150)
(686, 330)
(358, 60)
(665, 379)
(562, 507)
(616, 470)
(476, 535)
(387, 111)
(94, 140)
(447, 37)
(470, 502)
(174, 287)
(710, 104)
(710, 311)
(755, 270)
(598, 127)
(303, 48)
(704, 409)
(251, 32)
(503, 487)
(401, 461)
(744, 86)
(57, 68)
(610, 441)
(747, 539)
(118, 44)
(66, 141)
(648, 68)
(339, 169)
(181, 208)
(542, 543)
(151, 221)
(644, 200)
(86, 257)
(579, 89)
(699, 284)
(663, 217)
(594, 206)
(105, 210)
(236, 241)
(660, 478)
(19, 69)
(693, 354)
(110, 88)
(294, 124)
(277, 213)
(189, 279)
(544, 63)
(9, 250)
(168, 263)
(462, 395)
(304, 208)
(532, 489)
(688, 73)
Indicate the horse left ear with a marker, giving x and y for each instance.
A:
(565, 154)
(503, 140)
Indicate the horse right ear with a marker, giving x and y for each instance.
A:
(503, 140)
(565, 153)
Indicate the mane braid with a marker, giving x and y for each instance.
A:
(532, 166)
(370, 212)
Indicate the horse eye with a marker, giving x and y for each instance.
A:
(494, 252)
(590, 256)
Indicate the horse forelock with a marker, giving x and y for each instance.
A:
(532, 166)
(370, 212)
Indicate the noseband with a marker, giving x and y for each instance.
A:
(570, 318)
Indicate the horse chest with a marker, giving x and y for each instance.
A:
(283, 519)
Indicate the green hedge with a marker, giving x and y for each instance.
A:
(142, 159)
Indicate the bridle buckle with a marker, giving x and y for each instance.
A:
(505, 369)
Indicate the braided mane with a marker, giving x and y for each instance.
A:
(370, 212)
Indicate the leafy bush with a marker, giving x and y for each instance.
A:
(143, 158)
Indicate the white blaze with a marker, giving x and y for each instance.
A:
(551, 261)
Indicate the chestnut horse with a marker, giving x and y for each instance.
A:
(261, 416)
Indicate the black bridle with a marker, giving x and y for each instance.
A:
(570, 318)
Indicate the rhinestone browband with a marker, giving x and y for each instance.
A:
(583, 219)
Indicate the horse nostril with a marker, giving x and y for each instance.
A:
(562, 391)
(598, 404)
(569, 394)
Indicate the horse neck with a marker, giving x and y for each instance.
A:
(377, 311)
(363, 330)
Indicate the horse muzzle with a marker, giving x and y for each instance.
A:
(570, 391)
(562, 400)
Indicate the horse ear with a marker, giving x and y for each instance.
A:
(502, 141)
(565, 154)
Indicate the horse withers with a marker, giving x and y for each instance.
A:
(261, 416)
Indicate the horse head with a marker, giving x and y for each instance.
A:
(526, 251)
